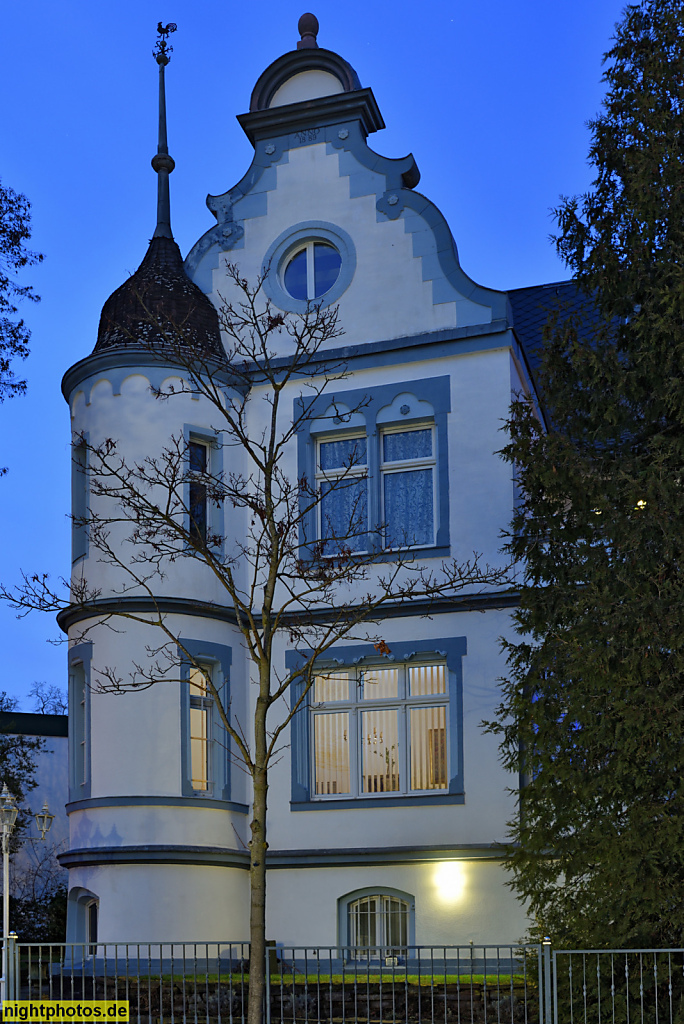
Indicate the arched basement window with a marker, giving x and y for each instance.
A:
(378, 926)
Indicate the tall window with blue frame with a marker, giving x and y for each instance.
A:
(407, 468)
(198, 458)
(342, 478)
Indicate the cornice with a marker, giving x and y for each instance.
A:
(204, 609)
(99, 363)
(215, 856)
(358, 105)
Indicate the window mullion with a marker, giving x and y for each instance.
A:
(404, 755)
(310, 272)
(356, 754)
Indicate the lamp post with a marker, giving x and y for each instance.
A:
(8, 817)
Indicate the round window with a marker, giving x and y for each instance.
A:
(312, 270)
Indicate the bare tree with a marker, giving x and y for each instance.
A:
(277, 581)
(48, 699)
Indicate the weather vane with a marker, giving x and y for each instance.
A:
(162, 51)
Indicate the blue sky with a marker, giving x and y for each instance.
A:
(491, 98)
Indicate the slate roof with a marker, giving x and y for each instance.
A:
(532, 306)
(160, 299)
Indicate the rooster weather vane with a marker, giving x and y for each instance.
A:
(162, 51)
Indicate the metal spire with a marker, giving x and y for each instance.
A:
(162, 163)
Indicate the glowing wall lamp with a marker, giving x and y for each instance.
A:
(450, 879)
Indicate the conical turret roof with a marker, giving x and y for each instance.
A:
(160, 308)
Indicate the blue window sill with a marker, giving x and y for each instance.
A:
(377, 802)
(413, 554)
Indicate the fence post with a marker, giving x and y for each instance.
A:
(267, 994)
(546, 952)
(11, 987)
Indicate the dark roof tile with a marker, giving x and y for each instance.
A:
(158, 301)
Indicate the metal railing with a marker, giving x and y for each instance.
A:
(208, 982)
(618, 986)
(467, 983)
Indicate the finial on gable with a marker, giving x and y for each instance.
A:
(308, 30)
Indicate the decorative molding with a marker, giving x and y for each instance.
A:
(359, 105)
(196, 802)
(124, 362)
(205, 856)
(204, 609)
(296, 62)
(216, 856)
(358, 803)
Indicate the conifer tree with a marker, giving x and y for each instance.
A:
(593, 711)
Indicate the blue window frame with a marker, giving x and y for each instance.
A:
(379, 459)
(376, 922)
(377, 731)
(312, 271)
(204, 456)
(79, 721)
(205, 747)
(79, 497)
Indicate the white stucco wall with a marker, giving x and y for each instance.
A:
(455, 902)
(167, 902)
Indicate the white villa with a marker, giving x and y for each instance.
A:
(388, 806)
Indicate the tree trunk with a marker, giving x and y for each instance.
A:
(257, 909)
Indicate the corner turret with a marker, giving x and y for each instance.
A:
(159, 300)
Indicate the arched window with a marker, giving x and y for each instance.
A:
(376, 923)
(378, 926)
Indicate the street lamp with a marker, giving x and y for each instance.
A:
(44, 821)
(8, 818)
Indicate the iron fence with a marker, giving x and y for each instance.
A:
(208, 982)
(618, 986)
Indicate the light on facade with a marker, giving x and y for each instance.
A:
(449, 878)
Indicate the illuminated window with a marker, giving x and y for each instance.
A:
(380, 731)
(201, 714)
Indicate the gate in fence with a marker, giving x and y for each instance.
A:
(618, 986)
(208, 983)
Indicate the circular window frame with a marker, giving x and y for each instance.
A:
(284, 247)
